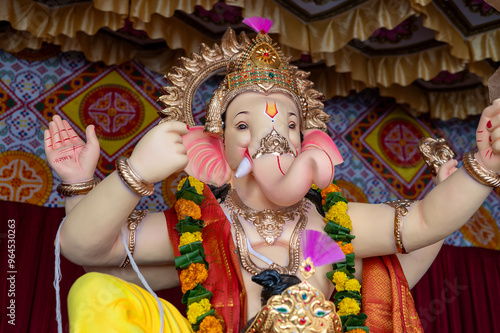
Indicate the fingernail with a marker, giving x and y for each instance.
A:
(187, 127)
(490, 138)
(488, 125)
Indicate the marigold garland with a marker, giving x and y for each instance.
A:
(197, 309)
(191, 261)
(346, 248)
(339, 226)
(191, 276)
(352, 285)
(339, 279)
(210, 325)
(348, 306)
(190, 237)
(193, 182)
(185, 208)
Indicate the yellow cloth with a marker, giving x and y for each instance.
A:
(103, 303)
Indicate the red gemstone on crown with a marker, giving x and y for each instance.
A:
(308, 268)
(302, 321)
(266, 54)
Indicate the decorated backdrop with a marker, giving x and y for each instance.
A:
(377, 137)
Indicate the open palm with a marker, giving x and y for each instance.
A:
(70, 157)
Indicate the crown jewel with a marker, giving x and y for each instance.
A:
(263, 63)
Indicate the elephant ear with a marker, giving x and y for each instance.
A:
(207, 161)
(316, 139)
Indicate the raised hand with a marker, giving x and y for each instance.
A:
(445, 171)
(70, 157)
(488, 137)
(160, 152)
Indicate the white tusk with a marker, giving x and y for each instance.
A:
(244, 168)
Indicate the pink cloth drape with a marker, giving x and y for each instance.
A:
(459, 294)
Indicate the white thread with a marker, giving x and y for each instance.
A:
(58, 277)
(251, 250)
(143, 280)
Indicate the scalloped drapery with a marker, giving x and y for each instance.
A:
(76, 28)
(79, 28)
(388, 70)
(331, 34)
(441, 105)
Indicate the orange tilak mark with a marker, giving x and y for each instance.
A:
(271, 110)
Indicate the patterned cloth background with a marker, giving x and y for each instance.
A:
(376, 137)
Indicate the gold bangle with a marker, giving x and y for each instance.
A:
(401, 209)
(133, 221)
(131, 179)
(478, 172)
(81, 188)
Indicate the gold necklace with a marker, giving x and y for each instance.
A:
(238, 208)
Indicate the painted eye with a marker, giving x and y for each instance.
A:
(292, 125)
(281, 309)
(321, 313)
(242, 126)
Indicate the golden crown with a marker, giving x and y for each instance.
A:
(251, 65)
(262, 62)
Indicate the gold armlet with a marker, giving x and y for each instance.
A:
(435, 153)
(401, 209)
(133, 221)
(131, 179)
(82, 188)
(478, 172)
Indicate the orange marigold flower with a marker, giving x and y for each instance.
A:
(185, 207)
(324, 192)
(210, 324)
(191, 276)
(347, 248)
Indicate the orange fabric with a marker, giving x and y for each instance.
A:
(387, 300)
(224, 276)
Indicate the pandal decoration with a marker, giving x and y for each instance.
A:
(338, 227)
(191, 262)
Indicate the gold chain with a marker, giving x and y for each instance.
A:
(238, 208)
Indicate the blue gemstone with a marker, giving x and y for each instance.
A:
(304, 296)
(271, 75)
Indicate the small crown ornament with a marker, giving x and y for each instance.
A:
(302, 307)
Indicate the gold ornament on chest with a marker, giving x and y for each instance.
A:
(269, 224)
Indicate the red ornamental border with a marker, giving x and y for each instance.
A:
(377, 165)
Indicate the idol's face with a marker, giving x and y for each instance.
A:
(252, 116)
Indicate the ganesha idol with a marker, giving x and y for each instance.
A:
(261, 171)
